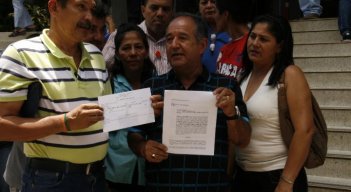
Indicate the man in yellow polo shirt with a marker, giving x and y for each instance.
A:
(65, 141)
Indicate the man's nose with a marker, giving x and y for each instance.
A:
(89, 15)
(160, 12)
(174, 42)
(255, 41)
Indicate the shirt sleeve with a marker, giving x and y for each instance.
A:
(14, 76)
(109, 49)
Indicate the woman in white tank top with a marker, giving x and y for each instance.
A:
(266, 164)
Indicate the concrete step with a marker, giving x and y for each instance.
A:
(324, 24)
(5, 40)
(328, 184)
(312, 37)
(323, 189)
(339, 129)
(322, 50)
(336, 165)
(337, 117)
(3, 45)
(339, 140)
(329, 64)
(333, 98)
(335, 80)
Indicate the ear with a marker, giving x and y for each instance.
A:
(202, 45)
(279, 47)
(226, 15)
(143, 10)
(52, 6)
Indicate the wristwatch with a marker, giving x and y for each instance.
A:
(235, 116)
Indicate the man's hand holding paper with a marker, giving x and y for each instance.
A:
(127, 109)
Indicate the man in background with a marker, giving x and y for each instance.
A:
(157, 15)
(216, 39)
(98, 24)
(233, 18)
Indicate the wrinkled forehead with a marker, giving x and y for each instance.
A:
(89, 3)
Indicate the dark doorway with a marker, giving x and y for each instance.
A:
(330, 8)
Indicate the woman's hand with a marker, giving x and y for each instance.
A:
(283, 186)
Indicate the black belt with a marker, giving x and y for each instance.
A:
(63, 166)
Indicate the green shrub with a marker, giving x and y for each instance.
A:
(40, 15)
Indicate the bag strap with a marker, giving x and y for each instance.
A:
(286, 126)
(31, 105)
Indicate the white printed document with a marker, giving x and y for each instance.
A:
(189, 122)
(127, 109)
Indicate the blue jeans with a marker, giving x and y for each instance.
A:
(4, 153)
(344, 16)
(43, 181)
(310, 7)
(21, 15)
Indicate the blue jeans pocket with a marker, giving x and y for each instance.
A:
(41, 181)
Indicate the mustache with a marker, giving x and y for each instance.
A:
(85, 25)
(176, 53)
